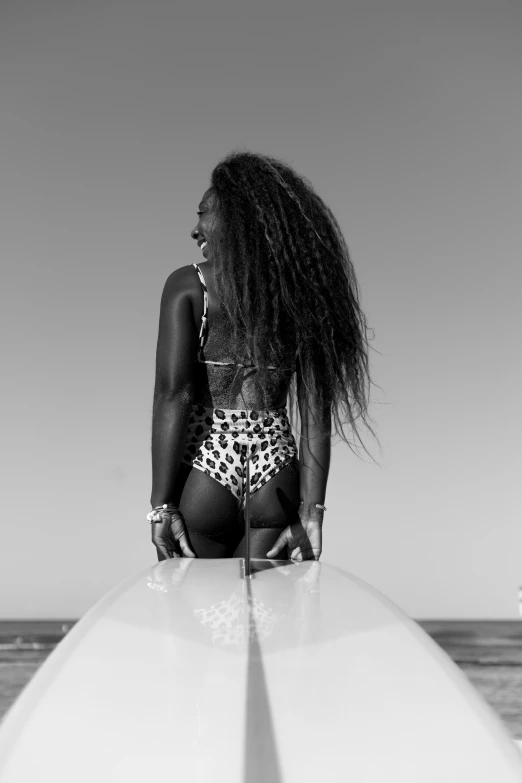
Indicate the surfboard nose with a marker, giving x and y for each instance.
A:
(301, 671)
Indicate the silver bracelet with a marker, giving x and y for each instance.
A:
(165, 507)
(317, 505)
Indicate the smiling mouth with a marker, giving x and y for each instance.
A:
(203, 244)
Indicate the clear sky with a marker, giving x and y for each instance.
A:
(407, 118)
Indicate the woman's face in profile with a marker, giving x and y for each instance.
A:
(203, 230)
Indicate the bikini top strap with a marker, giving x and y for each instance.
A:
(203, 331)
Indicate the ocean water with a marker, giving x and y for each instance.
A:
(488, 651)
(24, 646)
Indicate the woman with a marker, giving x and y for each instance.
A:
(272, 314)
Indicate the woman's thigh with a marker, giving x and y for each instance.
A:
(272, 508)
(211, 513)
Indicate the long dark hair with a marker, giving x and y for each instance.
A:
(285, 277)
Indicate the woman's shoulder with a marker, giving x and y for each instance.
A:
(183, 276)
(181, 282)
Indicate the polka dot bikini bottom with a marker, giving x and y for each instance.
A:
(219, 441)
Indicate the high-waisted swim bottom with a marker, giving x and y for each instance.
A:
(219, 441)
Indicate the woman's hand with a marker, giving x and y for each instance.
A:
(304, 538)
(169, 535)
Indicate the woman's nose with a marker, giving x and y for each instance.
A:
(194, 233)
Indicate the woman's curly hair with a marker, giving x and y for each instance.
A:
(284, 275)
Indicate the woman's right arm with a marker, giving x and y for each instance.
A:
(314, 452)
(304, 537)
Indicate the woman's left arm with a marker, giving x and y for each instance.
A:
(174, 386)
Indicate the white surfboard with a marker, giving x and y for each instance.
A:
(300, 672)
